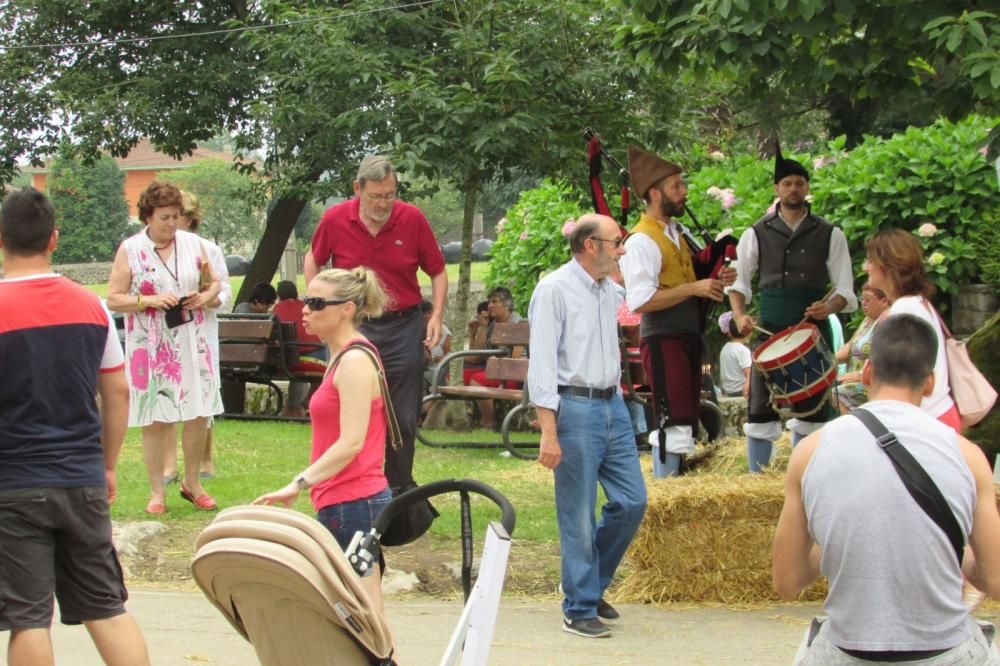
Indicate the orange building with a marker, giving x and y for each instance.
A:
(140, 167)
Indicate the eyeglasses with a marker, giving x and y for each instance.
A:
(317, 303)
(617, 242)
(387, 197)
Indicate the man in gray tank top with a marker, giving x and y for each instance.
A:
(895, 584)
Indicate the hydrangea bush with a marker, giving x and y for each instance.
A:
(530, 239)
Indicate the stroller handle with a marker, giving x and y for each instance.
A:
(508, 517)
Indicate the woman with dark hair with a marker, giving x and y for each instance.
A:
(895, 264)
(851, 392)
(162, 280)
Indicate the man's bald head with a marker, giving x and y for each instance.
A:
(589, 226)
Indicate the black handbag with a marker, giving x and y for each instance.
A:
(411, 523)
(917, 481)
(415, 519)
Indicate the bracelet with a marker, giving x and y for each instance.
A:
(138, 301)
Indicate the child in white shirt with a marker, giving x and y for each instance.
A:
(734, 360)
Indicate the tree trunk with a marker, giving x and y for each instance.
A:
(471, 185)
(280, 223)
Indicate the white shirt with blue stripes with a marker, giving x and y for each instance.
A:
(574, 334)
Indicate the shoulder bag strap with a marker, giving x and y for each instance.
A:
(392, 425)
(917, 481)
(944, 327)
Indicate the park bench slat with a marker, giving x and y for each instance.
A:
(243, 353)
(245, 328)
(479, 392)
(507, 369)
(510, 334)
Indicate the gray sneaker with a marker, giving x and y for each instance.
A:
(590, 627)
(606, 611)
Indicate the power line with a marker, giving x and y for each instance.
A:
(157, 38)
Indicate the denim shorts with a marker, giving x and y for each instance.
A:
(57, 541)
(346, 518)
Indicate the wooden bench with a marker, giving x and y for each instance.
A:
(258, 349)
(500, 366)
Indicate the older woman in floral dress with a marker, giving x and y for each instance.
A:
(162, 280)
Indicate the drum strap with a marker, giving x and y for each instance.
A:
(917, 481)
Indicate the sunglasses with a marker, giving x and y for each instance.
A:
(317, 303)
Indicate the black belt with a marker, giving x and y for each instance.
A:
(397, 314)
(594, 393)
(893, 655)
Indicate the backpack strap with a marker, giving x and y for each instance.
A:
(392, 425)
(917, 481)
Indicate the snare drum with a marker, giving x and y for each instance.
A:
(798, 368)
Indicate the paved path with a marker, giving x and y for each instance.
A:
(183, 629)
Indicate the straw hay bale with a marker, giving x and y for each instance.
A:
(707, 537)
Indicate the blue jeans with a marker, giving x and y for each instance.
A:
(346, 518)
(598, 446)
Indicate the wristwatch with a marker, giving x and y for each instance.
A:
(301, 482)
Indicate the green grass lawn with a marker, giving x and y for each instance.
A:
(479, 270)
(254, 457)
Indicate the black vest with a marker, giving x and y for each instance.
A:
(788, 260)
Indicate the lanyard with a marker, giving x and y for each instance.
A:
(173, 273)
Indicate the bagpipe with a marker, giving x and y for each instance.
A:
(711, 254)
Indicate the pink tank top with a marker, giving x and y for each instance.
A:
(363, 476)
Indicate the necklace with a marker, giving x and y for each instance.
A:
(159, 247)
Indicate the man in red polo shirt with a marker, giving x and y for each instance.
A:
(394, 239)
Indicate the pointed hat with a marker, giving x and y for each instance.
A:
(646, 169)
(784, 168)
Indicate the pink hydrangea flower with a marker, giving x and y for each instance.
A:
(501, 224)
(568, 226)
(729, 199)
(523, 236)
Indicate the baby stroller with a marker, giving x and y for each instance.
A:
(283, 582)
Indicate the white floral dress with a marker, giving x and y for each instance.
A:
(171, 373)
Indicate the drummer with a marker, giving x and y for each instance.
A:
(660, 283)
(801, 257)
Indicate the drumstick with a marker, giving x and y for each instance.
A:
(828, 296)
(765, 331)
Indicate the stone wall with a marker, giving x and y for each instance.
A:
(971, 308)
(92, 273)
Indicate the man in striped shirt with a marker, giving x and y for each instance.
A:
(574, 377)
(58, 349)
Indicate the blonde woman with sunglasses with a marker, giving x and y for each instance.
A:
(345, 480)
